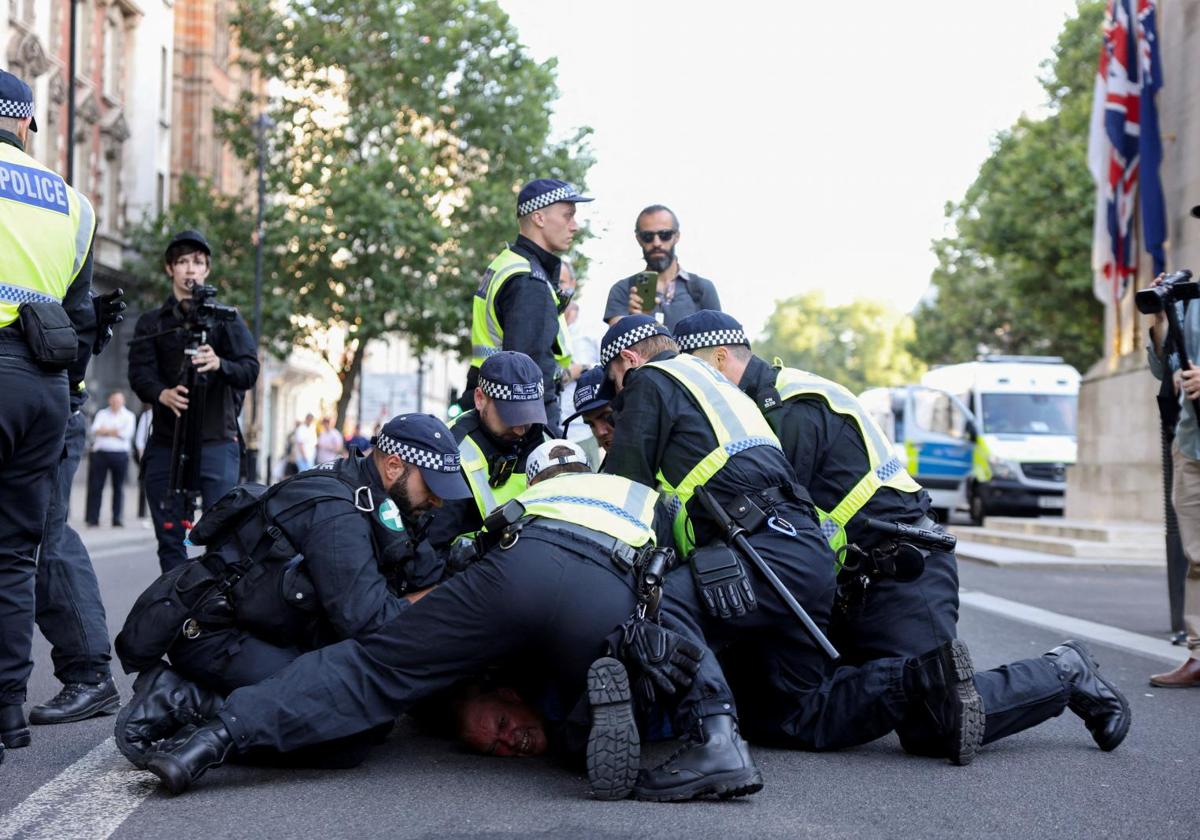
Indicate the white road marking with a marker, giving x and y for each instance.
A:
(1072, 626)
(87, 801)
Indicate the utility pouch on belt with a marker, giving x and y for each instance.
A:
(722, 582)
(159, 614)
(49, 334)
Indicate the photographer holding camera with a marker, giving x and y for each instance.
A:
(1176, 322)
(190, 331)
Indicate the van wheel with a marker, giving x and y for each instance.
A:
(975, 506)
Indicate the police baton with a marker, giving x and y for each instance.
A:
(736, 535)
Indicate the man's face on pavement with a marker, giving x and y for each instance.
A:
(492, 422)
(187, 272)
(600, 421)
(657, 253)
(501, 723)
(559, 226)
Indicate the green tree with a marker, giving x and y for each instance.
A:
(1016, 275)
(860, 345)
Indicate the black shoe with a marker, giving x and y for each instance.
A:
(163, 702)
(614, 747)
(77, 701)
(117, 523)
(14, 731)
(181, 760)
(718, 763)
(942, 698)
(1102, 706)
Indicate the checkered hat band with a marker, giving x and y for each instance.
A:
(12, 108)
(545, 200)
(439, 461)
(712, 338)
(621, 342)
(520, 392)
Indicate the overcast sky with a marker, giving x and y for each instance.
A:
(804, 145)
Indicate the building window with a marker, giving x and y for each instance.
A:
(221, 35)
(163, 81)
(83, 33)
(160, 195)
(113, 48)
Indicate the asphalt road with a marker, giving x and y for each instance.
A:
(1046, 782)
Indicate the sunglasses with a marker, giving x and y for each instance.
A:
(647, 236)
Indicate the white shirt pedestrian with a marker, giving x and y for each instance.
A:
(112, 430)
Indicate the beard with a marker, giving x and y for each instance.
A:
(659, 260)
(398, 493)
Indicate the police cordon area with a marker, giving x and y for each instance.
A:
(741, 557)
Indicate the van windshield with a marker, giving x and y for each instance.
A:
(1029, 414)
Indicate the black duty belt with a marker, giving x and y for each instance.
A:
(622, 554)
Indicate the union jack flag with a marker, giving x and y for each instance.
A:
(1125, 149)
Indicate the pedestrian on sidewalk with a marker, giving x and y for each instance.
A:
(112, 433)
(330, 443)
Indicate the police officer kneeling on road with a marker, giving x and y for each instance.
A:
(898, 587)
(323, 556)
(559, 569)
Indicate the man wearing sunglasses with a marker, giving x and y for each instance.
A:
(679, 293)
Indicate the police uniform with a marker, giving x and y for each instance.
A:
(593, 391)
(516, 306)
(548, 597)
(45, 258)
(494, 469)
(844, 460)
(680, 423)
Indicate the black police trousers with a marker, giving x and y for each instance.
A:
(787, 691)
(547, 602)
(33, 419)
(908, 619)
(70, 613)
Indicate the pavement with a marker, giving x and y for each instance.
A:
(1051, 781)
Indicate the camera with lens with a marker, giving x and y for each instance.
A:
(205, 310)
(1173, 288)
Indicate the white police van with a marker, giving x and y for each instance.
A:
(1025, 420)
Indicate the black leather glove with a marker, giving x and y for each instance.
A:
(664, 662)
(109, 310)
(722, 582)
(463, 552)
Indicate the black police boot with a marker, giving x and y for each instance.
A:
(717, 763)
(943, 704)
(77, 701)
(163, 702)
(14, 731)
(181, 760)
(614, 747)
(1104, 709)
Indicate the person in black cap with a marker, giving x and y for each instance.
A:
(338, 566)
(517, 304)
(228, 367)
(683, 425)
(593, 393)
(844, 460)
(46, 231)
(679, 293)
(494, 439)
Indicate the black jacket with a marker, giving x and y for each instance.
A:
(828, 453)
(156, 364)
(528, 312)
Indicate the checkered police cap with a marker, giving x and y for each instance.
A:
(627, 332)
(16, 98)
(11, 108)
(546, 191)
(516, 392)
(709, 328)
(418, 457)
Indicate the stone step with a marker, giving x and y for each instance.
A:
(1078, 529)
(1016, 558)
(1062, 546)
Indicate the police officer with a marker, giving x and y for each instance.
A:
(593, 393)
(681, 423)
(227, 365)
(517, 305)
(840, 454)
(45, 282)
(494, 439)
(323, 556)
(546, 593)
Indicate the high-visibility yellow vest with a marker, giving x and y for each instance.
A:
(886, 469)
(487, 336)
(609, 504)
(475, 469)
(735, 421)
(45, 232)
